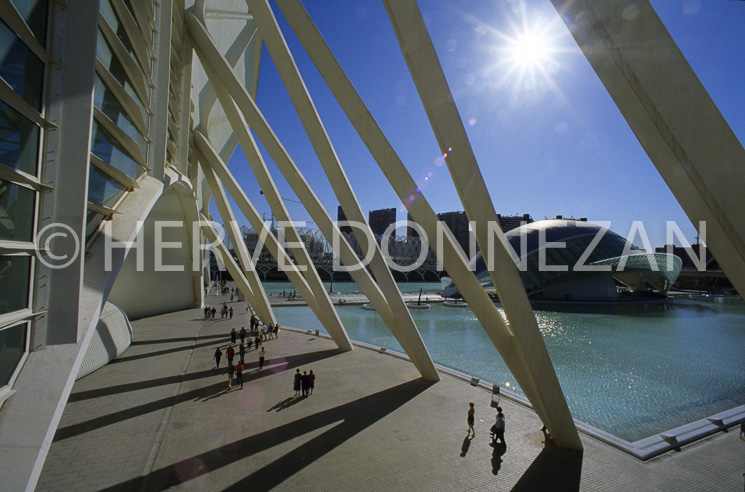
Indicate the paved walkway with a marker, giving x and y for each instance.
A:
(161, 417)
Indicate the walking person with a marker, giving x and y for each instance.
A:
(242, 352)
(213, 312)
(233, 335)
(231, 372)
(296, 382)
(256, 342)
(311, 381)
(206, 312)
(243, 333)
(262, 354)
(471, 416)
(230, 311)
(499, 427)
(218, 356)
(239, 373)
(230, 353)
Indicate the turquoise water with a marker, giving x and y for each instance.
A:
(633, 372)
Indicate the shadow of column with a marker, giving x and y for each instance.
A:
(351, 418)
(555, 469)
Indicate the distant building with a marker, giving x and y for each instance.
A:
(411, 233)
(380, 220)
(340, 217)
(509, 222)
(559, 279)
(457, 222)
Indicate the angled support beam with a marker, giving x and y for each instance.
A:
(405, 329)
(255, 294)
(421, 58)
(677, 123)
(227, 259)
(330, 318)
(399, 320)
(212, 159)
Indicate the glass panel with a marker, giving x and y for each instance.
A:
(102, 190)
(12, 347)
(113, 20)
(16, 212)
(14, 277)
(19, 140)
(112, 63)
(20, 68)
(34, 12)
(105, 147)
(104, 100)
(92, 220)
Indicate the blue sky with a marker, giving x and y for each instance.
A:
(553, 144)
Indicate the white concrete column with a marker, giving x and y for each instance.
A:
(536, 367)
(158, 131)
(399, 320)
(337, 332)
(255, 292)
(405, 329)
(670, 112)
(67, 150)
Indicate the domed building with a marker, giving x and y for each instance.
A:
(571, 260)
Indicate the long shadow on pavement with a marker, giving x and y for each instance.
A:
(290, 362)
(166, 351)
(226, 336)
(351, 418)
(555, 469)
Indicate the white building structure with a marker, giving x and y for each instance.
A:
(116, 120)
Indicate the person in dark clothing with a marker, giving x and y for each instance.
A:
(311, 381)
(230, 353)
(218, 356)
(233, 335)
(239, 373)
(296, 382)
(305, 383)
(243, 334)
(242, 352)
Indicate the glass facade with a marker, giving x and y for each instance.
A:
(21, 141)
(12, 348)
(15, 274)
(125, 104)
(16, 212)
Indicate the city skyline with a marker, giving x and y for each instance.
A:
(553, 144)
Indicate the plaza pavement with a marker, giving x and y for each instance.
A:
(160, 417)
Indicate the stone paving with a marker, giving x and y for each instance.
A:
(161, 417)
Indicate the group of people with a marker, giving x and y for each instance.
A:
(237, 369)
(496, 432)
(225, 312)
(304, 383)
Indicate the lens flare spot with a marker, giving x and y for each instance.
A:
(471, 121)
(439, 161)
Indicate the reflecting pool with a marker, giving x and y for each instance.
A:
(633, 371)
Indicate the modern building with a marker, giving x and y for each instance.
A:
(117, 118)
(380, 220)
(341, 218)
(509, 222)
(457, 222)
(570, 260)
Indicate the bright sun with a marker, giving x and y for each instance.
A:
(530, 50)
(529, 57)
